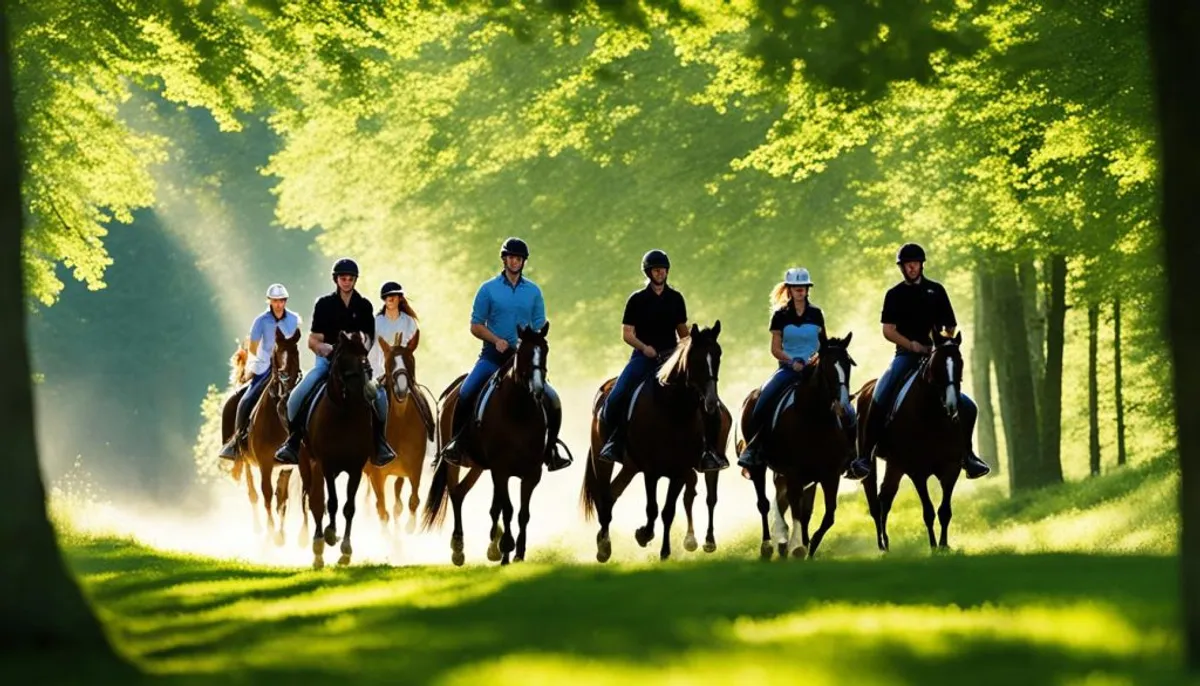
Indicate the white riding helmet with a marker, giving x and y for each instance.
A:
(797, 276)
(276, 291)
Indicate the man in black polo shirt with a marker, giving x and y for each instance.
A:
(911, 310)
(654, 321)
(343, 310)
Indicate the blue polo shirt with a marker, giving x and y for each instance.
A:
(502, 307)
(802, 333)
(263, 331)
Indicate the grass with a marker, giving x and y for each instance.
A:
(1076, 585)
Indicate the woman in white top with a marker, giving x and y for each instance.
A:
(396, 316)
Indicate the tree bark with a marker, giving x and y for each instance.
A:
(1035, 326)
(1014, 376)
(1050, 407)
(981, 375)
(1093, 391)
(1118, 392)
(42, 607)
(1175, 50)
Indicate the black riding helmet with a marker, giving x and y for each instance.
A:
(345, 266)
(910, 252)
(514, 246)
(655, 258)
(390, 288)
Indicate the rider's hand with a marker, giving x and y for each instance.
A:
(501, 346)
(920, 348)
(326, 350)
(798, 366)
(649, 351)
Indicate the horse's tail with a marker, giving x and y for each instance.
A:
(435, 502)
(237, 365)
(587, 499)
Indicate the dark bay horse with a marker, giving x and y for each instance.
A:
(924, 439)
(808, 446)
(339, 439)
(267, 429)
(665, 440)
(410, 427)
(510, 440)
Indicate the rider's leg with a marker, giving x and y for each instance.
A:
(882, 399)
(783, 377)
(967, 414)
(485, 366)
(616, 410)
(289, 452)
(552, 405)
(383, 452)
(237, 442)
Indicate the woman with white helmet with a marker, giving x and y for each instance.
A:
(395, 316)
(797, 333)
(262, 344)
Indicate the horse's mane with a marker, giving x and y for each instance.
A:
(237, 365)
(676, 363)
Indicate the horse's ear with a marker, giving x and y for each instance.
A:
(716, 330)
(279, 337)
(383, 345)
(412, 343)
(396, 341)
(295, 337)
(846, 342)
(347, 336)
(545, 329)
(958, 338)
(695, 330)
(521, 329)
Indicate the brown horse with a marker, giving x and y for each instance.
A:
(923, 439)
(808, 446)
(339, 439)
(665, 439)
(410, 427)
(267, 429)
(510, 440)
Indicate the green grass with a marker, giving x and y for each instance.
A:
(988, 614)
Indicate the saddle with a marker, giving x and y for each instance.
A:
(906, 385)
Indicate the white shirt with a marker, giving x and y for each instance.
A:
(387, 328)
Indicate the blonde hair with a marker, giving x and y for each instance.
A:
(781, 296)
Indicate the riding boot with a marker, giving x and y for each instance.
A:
(289, 452)
(851, 433)
(710, 459)
(752, 455)
(614, 444)
(452, 451)
(553, 459)
(860, 464)
(235, 446)
(972, 464)
(383, 452)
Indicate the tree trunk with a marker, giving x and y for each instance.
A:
(1118, 393)
(1035, 326)
(1093, 391)
(981, 375)
(42, 607)
(1050, 407)
(1014, 377)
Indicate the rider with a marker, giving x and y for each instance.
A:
(262, 344)
(911, 310)
(395, 316)
(502, 305)
(654, 322)
(797, 334)
(342, 311)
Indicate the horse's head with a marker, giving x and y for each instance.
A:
(833, 370)
(945, 368)
(399, 367)
(285, 363)
(697, 361)
(348, 368)
(529, 367)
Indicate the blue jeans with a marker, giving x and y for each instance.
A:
(889, 385)
(771, 391)
(249, 399)
(638, 369)
(316, 375)
(487, 364)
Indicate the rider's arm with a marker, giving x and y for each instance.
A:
(628, 335)
(484, 334)
(777, 347)
(316, 343)
(890, 333)
(682, 331)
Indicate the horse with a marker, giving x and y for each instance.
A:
(509, 440)
(410, 427)
(267, 429)
(664, 440)
(806, 447)
(339, 439)
(923, 439)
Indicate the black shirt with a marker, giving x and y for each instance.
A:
(655, 317)
(331, 317)
(918, 308)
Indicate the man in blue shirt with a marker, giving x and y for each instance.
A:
(262, 345)
(502, 305)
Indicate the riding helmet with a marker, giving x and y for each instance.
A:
(655, 258)
(390, 288)
(514, 246)
(277, 291)
(797, 276)
(910, 252)
(345, 266)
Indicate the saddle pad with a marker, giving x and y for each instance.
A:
(634, 398)
(489, 387)
(317, 394)
(785, 401)
(908, 382)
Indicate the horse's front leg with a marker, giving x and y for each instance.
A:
(689, 497)
(710, 492)
(528, 484)
(758, 476)
(668, 515)
(645, 534)
(829, 488)
(355, 478)
(948, 481)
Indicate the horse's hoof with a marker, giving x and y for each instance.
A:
(504, 560)
(507, 544)
(344, 561)
(603, 550)
(493, 553)
(710, 546)
(643, 536)
(458, 558)
(689, 543)
(799, 552)
(663, 557)
(279, 539)
(456, 543)
(518, 558)
(766, 550)
(331, 537)
(318, 563)
(346, 549)
(411, 526)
